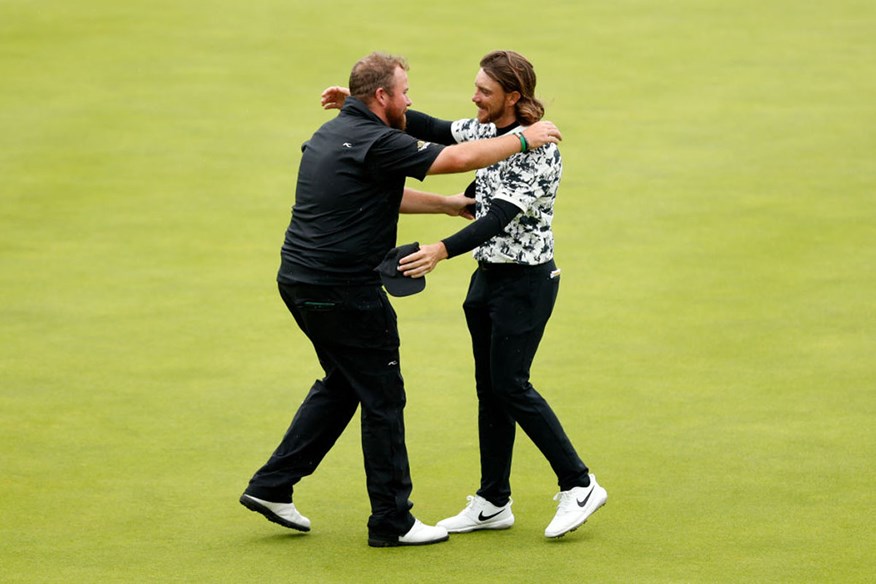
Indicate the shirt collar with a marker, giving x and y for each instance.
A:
(355, 107)
(506, 129)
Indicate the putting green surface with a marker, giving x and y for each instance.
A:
(711, 353)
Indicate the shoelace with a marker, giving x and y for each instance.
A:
(477, 505)
(472, 506)
(567, 501)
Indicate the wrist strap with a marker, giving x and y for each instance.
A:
(523, 145)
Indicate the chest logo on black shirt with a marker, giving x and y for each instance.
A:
(347, 145)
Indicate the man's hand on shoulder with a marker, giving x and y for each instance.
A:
(333, 97)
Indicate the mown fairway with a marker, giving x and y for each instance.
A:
(711, 355)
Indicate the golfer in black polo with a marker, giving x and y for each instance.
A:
(351, 188)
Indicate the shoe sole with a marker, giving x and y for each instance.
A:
(494, 527)
(383, 543)
(270, 515)
(602, 502)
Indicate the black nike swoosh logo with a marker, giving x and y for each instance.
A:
(482, 517)
(587, 498)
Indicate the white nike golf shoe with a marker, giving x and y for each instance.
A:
(419, 534)
(284, 514)
(479, 514)
(575, 506)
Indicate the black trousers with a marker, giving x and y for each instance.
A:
(355, 334)
(507, 309)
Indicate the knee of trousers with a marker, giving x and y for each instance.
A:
(511, 400)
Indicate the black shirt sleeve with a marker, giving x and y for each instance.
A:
(482, 230)
(425, 127)
(400, 154)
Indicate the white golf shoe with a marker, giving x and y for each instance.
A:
(419, 534)
(575, 506)
(479, 514)
(284, 514)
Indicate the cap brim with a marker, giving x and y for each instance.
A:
(396, 283)
(402, 285)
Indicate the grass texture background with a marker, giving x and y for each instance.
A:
(711, 354)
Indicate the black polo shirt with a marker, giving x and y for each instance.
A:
(350, 185)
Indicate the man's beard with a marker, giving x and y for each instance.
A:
(397, 121)
(487, 115)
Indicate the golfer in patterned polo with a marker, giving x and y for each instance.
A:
(510, 298)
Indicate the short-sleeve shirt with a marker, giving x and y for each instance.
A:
(529, 180)
(350, 185)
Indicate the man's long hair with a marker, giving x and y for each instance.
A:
(513, 72)
(373, 72)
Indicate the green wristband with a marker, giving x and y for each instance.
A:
(523, 145)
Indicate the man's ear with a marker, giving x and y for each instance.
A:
(381, 96)
(512, 97)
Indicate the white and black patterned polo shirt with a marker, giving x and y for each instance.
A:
(528, 180)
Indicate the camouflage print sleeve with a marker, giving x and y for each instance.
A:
(467, 130)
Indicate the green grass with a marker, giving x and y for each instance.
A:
(711, 354)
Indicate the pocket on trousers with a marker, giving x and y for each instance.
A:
(372, 323)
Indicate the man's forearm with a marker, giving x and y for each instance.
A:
(475, 154)
(425, 127)
(414, 201)
(483, 153)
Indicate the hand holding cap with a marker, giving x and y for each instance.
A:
(394, 281)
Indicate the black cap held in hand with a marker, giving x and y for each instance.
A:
(394, 281)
